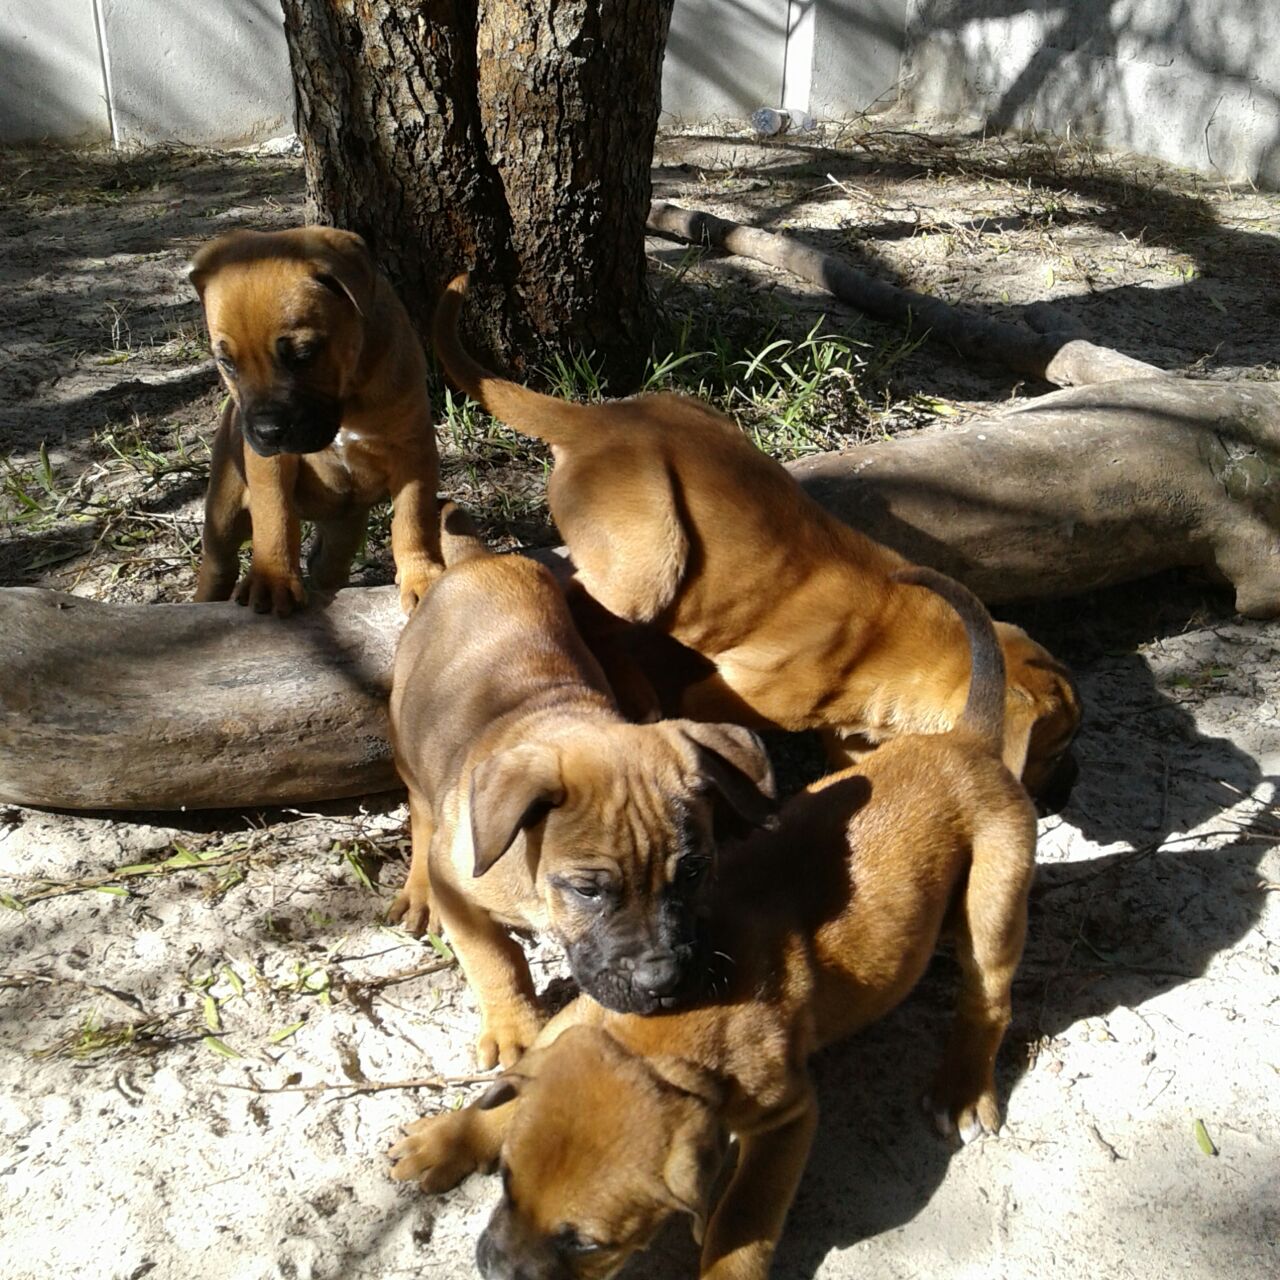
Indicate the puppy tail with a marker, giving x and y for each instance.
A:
(459, 539)
(529, 412)
(983, 713)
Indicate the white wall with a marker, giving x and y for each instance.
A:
(197, 70)
(143, 71)
(1196, 82)
(51, 82)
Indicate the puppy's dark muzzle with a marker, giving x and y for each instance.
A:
(297, 425)
(656, 979)
(1052, 794)
(504, 1252)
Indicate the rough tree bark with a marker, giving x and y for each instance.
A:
(509, 136)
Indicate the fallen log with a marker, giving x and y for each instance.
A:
(210, 706)
(1079, 489)
(193, 706)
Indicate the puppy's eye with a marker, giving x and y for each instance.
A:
(692, 869)
(593, 893)
(296, 355)
(569, 1241)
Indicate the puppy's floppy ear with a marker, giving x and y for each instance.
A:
(1042, 708)
(209, 258)
(510, 792)
(698, 1148)
(512, 1083)
(345, 266)
(633, 563)
(737, 766)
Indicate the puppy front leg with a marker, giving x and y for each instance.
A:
(226, 514)
(498, 974)
(414, 907)
(439, 1151)
(747, 1223)
(415, 529)
(274, 580)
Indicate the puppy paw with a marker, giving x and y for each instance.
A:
(415, 581)
(414, 911)
(966, 1119)
(507, 1034)
(268, 592)
(435, 1152)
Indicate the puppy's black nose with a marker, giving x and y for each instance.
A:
(267, 425)
(657, 974)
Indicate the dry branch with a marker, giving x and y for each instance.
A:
(1057, 357)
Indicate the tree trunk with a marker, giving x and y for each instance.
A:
(511, 137)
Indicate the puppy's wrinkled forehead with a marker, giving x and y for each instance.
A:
(257, 301)
(649, 804)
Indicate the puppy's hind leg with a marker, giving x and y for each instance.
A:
(990, 929)
(336, 542)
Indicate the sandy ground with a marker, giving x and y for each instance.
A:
(199, 1013)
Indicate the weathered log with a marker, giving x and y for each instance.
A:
(1079, 489)
(210, 706)
(1058, 356)
(197, 706)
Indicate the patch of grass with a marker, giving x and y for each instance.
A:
(95, 1038)
(34, 496)
(181, 860)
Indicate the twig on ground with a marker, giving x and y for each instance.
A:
(368, 1086)
(1059, 357)
(390, 979)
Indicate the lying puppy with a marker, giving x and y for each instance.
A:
(535, 805)
(674, 519)
(611, 1123)
(328, 388)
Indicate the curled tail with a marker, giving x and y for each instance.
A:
(459, 538)
(983, 712)
(530, 413)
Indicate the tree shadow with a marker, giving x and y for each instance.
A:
(1117, 198)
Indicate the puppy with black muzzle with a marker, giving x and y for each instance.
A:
(611, 1123)
(328, 388)
(534, 805)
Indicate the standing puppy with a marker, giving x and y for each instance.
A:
(674, 519)
(535, 805)
(328, 388)
(612, 1123)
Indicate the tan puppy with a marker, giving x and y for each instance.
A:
(535, 805)
(328, 387)
(674, 519)
(611, 1123)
